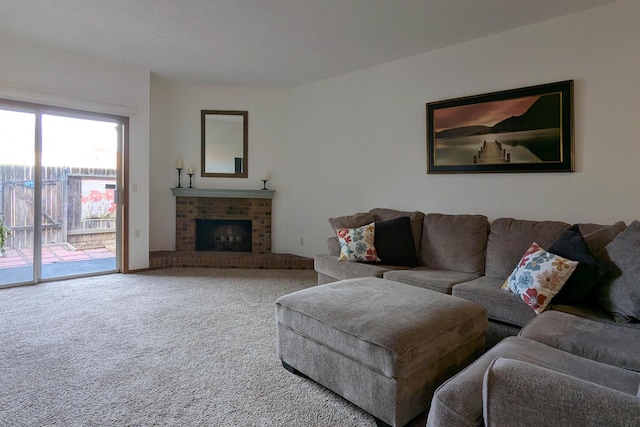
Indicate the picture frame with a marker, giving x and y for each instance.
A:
(528, 129)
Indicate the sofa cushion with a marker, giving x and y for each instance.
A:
(539, 276)
(428, 278)
(598, 236)
(620, 292)
(596, 339)
(416, 218)
(509, 239)
(517, 393)
(356, 244)
(329, 265)
(502, 305)
(589, 271)
(394, 242)
(458, 402)
(454, 242)
(351, 221)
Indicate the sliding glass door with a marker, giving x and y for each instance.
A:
(59, 182)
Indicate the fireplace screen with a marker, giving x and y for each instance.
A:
(223, 235)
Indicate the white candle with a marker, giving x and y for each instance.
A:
(265, 177)
(191, 170)
(179, 164)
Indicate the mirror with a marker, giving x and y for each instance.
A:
(224, 143)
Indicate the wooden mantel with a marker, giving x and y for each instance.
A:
(223, 193)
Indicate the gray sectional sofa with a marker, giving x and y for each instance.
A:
(579, 347)
(465, 256)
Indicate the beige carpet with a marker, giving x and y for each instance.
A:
(177, 347)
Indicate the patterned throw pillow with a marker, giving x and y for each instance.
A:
(539, 276)
(356, 244)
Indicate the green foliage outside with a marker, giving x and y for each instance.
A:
(4, 233)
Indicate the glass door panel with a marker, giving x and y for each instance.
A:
(79, 167)
(17, 189)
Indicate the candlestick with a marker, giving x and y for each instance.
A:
(265, 177)
(190, 178)
(179, 172)
(191, 171)
(264, 184)
(179, 163)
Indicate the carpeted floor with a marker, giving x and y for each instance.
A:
(176, 347)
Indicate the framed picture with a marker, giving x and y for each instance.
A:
(520, 130)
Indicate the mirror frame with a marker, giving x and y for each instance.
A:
(245, 143)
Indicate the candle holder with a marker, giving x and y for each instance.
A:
(264, 184)
(190, 178)
(179, 173)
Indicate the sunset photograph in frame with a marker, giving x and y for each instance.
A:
(519, 130)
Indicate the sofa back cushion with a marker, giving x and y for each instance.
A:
(455, 242)
(620, 293)
(597, 236)
(351, 221)
(416, 219)
(509, 238)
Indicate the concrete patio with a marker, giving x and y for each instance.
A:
(57, 261)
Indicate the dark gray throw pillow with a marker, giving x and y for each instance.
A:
(620, 291)
(570, 244)
(394, 242)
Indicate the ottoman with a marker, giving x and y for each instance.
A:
(382, 345)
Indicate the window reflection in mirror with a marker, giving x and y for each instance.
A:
(224, 143)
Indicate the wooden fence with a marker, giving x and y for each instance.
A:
(62, 199)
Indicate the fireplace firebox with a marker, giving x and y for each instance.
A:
(223, 235)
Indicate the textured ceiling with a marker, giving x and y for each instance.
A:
(265, 43)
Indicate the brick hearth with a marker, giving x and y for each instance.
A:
(167, 259)
(192, 204)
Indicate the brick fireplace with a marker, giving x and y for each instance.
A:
(226, 205)
(207, 205)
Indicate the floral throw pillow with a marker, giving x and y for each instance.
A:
(356, 244)
(539, 276)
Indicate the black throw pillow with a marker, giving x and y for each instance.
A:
(587, 274)
(394, 242)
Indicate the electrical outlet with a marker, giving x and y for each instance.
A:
(136, 233)
(134, 188)
(301, 241)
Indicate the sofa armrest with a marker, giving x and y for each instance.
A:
(523, 394)
(333, 245)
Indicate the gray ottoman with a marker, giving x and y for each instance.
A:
(382, 345)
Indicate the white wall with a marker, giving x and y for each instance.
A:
(175, 132)
(38, 74)
(358, 141)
